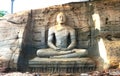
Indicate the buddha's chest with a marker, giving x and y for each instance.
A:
(61, 38)
(61, 33)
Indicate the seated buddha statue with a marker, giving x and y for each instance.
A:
(61, 41)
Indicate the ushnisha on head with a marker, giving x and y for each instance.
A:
(61, 18)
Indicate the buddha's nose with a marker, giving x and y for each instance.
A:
(61, 18)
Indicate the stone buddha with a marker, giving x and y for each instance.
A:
(61, 41)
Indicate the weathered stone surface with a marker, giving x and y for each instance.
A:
(63, 65)
(110, 28)
(29, 29)
(17, 74)
(11, 35)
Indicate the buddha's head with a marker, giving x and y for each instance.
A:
(61, 18)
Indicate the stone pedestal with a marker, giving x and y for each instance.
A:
(64, 65)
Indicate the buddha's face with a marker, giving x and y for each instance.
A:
(61, 18)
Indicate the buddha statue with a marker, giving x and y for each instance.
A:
(61, 41)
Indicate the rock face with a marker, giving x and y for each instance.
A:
(110, 22)
(11, 35)
(21, 34)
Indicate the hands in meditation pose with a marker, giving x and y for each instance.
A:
(62, 41)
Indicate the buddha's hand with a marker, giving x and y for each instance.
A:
(64, 49)
(57, 49)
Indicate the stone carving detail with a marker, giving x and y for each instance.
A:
(23, 34)
(58, 42)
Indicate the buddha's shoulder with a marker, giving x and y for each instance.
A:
(70, 28)
(52, 28)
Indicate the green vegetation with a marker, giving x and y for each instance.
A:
(2, 13)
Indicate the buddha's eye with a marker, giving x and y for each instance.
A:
(60, 16)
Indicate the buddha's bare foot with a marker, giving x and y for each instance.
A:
(64, 49)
